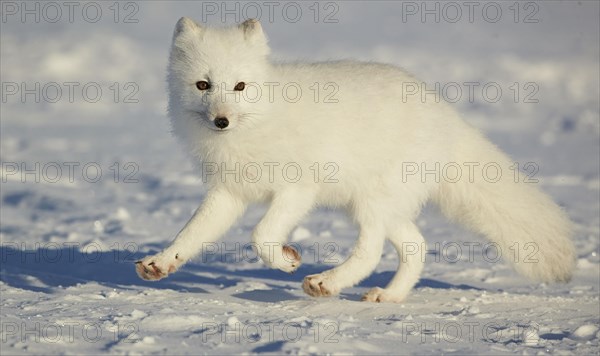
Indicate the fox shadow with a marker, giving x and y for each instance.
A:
(46, 269)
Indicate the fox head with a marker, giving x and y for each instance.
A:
(214, 76)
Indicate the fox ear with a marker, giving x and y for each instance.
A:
(252, 29)
(185, 24)
(253, 33)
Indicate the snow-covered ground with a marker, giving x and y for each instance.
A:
(111, 184)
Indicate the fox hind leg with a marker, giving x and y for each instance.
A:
(363, 260)
(410, 245)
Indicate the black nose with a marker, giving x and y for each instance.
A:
(221, 122)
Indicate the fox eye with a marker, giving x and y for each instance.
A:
(240, 86)
(202, 85)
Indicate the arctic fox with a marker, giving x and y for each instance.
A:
(341, 134)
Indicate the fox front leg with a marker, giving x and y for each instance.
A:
(211, 220)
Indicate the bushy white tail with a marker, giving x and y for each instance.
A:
(515, 215)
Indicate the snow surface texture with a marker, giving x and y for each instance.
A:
(68, 283)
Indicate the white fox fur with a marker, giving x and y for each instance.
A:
(373, 137)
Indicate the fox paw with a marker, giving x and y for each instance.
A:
(153, 268)
(380, 295)
(319, 285)
(287, 259)
(292, 257)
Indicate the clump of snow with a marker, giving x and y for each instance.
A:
(585, 332)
